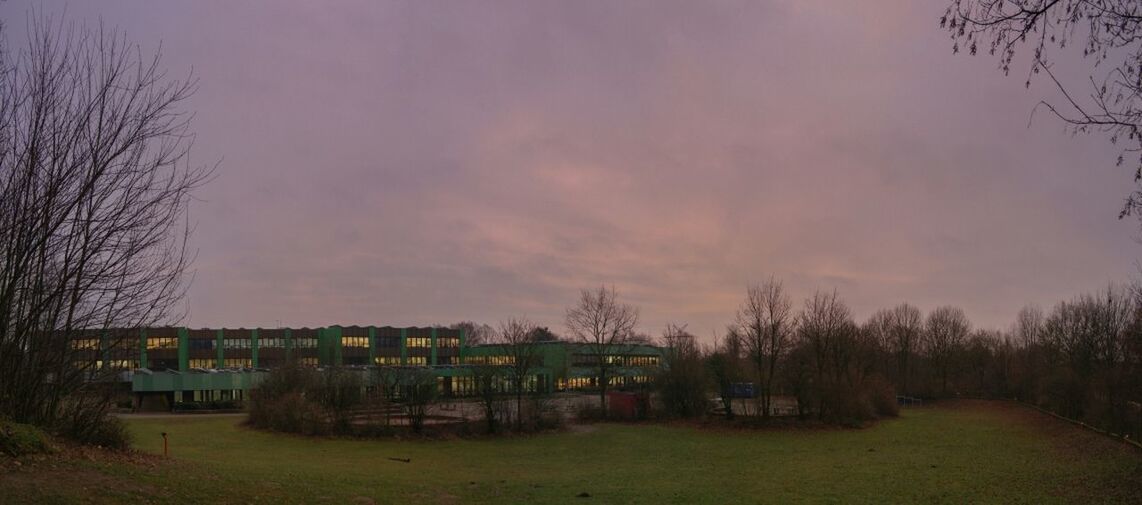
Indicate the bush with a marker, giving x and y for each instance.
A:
(19, 439)
(301, 400)
(683, 387)
(846, 405)
(94, 426)
(111, 433)
(882, 396)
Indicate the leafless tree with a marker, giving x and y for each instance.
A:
(516, 336)
(767, 324)
(486, 381)
(1028, 328)
(724, 362)
(475, 333)
(418, 392)
(898, 330)
(830, 335)
(1110, 34)
(944, 335)
(605, 327)
(95, 177)
(682, 380)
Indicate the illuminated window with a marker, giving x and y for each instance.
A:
(162, 343)
(201, 363)
(490, 360)
(237, 363)
(577, 383)
(386, 360)
(85, 343)
(448, 342)
(419, 342)
(417, 360)
(641, 361)
(122, 364)
(355, 342)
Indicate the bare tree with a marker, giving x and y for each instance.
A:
(605, 327)
(418, 392)
(1029, 325)
(475, 333)
(825, 327)
(1110, 33)
(486, 379)
(94, 183)
(516, 337)
(767, 325)
(725, 365)
(898, 331)
(944, 335)
(682, 380)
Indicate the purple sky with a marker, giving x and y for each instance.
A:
(421, 162)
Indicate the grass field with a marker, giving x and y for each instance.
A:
(954, 453)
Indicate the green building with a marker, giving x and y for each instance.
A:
(193, 365)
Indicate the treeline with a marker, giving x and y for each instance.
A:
(1082, 360)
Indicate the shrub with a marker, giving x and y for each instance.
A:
(683, 386)
(847, 405)
(96, 428)
(882, 396)
(301, 400)
(111, 433)
(19, 439)
(545, 414)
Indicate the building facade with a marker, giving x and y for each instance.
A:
(195, 365)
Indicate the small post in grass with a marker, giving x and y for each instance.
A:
(165, 452)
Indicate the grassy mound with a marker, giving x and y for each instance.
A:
(19, 439)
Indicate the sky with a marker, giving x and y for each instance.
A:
(423, 162)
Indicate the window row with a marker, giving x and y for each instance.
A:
(237, 363)
(85, 343)
(162, 343)
(592, 382)
(272, 343)
(448, 342)
(490, 360)
(386, 360)
(237, 343)
(470, 386)
(202, 363)
(201, 344)
(419, 342)
(355, 342)
(588, 360)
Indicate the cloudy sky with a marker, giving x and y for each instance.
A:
(421, 162)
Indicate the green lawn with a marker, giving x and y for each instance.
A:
(970, 452)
